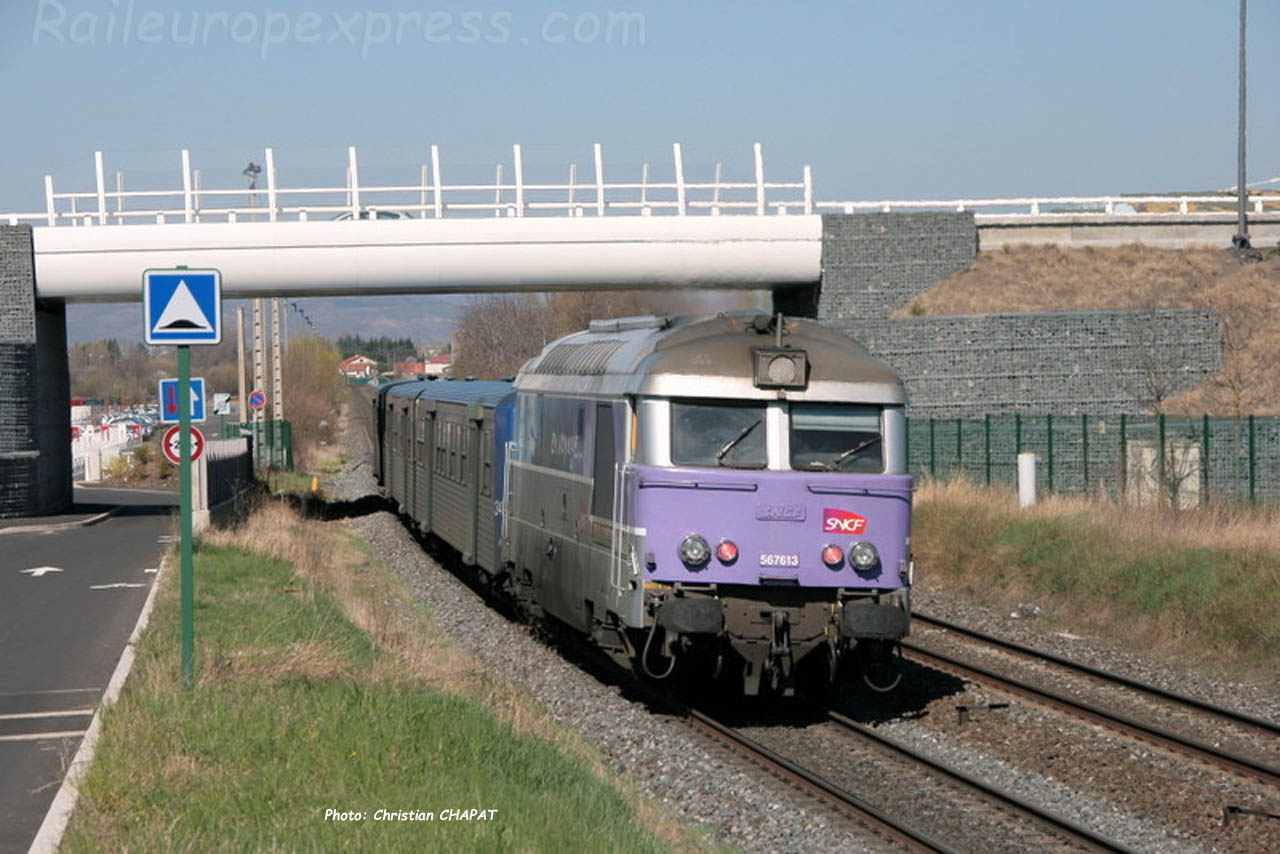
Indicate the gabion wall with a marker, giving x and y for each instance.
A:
(35, 432)
(1064, 363)
(874, 263)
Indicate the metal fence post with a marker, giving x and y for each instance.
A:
(1017, 432)
(1162, 467)
(1204, 459)
(1253, 495)
(1084, 449)
(986, 443)
(959, 444)
(1124, 456)
(1048, 423)
(933, 455)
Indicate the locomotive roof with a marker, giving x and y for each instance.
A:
(705, 357)
(485, 393)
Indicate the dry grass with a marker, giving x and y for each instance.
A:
(1049, 278)
(339, 564)
(1200, 587)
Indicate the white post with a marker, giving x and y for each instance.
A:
(497, 190)
(435, 181)
(195, 189)
(187, 213)
(599, 180)
(715, 194)
(48, 200)
(808, 189)
(515, 153)
(759, 152)
(573, 181)
(355, 181)
(644, 190)
(675, 149)
(1026, 479)
(102, 188)
(119, 196)
(271, 185)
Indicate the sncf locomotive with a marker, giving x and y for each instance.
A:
(716, 497)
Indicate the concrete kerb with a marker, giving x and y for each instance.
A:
(49, 836)
(59, 526)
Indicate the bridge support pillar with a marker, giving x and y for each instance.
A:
(35, 388)
(874, 263)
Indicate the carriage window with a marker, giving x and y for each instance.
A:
(836, 437)
(706, 433)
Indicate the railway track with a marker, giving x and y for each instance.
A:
(1233, 761)
(905, 833)
(844, 802)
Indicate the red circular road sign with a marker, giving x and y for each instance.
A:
(169, 444)
(257, 399)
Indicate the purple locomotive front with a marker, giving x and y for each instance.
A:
(745, 510)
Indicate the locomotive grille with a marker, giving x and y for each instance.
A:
(586, 359)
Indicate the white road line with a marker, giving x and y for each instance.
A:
(151, 570)
(67, 714)
(50, 691)
(117, 584)
(41, 736)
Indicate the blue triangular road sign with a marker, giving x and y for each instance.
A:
(182, 306)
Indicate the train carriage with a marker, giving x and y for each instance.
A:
(723, 495)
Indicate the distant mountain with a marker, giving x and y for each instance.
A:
(425, 319)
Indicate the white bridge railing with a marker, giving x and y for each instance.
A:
(431, 197)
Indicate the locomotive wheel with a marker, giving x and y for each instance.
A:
(882, 669)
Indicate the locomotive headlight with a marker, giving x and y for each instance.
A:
(727, 551)
(780, 367)
(832, 557)
(863, 556)
(694, 550)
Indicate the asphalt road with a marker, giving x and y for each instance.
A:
(62, 631)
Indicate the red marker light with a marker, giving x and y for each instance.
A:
(832, 556)
(727, 551)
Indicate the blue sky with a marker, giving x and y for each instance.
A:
(884, 100)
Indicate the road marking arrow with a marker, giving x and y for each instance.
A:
(117, 584)
(37, 571)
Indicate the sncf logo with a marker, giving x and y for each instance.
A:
(842, 522)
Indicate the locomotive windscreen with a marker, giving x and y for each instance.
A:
(718, 433)
(836, 437)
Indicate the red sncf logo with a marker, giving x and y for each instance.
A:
(842, 522)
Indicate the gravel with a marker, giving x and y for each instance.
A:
(693, 780)
(700, 784)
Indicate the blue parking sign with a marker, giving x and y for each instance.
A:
(182, 306)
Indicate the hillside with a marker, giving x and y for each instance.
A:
(1047, 278)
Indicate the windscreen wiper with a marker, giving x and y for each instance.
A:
(729, 445)
(861, 446)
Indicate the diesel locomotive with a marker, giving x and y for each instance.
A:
(711, 497)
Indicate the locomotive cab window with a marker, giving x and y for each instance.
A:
(718, 433)
(836, 437)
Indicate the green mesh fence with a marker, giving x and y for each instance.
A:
(272, 442)
(1186, 460)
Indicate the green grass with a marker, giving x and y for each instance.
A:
(295, 712)
(1110, 567)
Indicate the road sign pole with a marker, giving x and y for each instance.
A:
(184, 505)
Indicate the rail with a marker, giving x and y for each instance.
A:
(430, 197)
(189, 201)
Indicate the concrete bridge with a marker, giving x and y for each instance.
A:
(827, 258)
